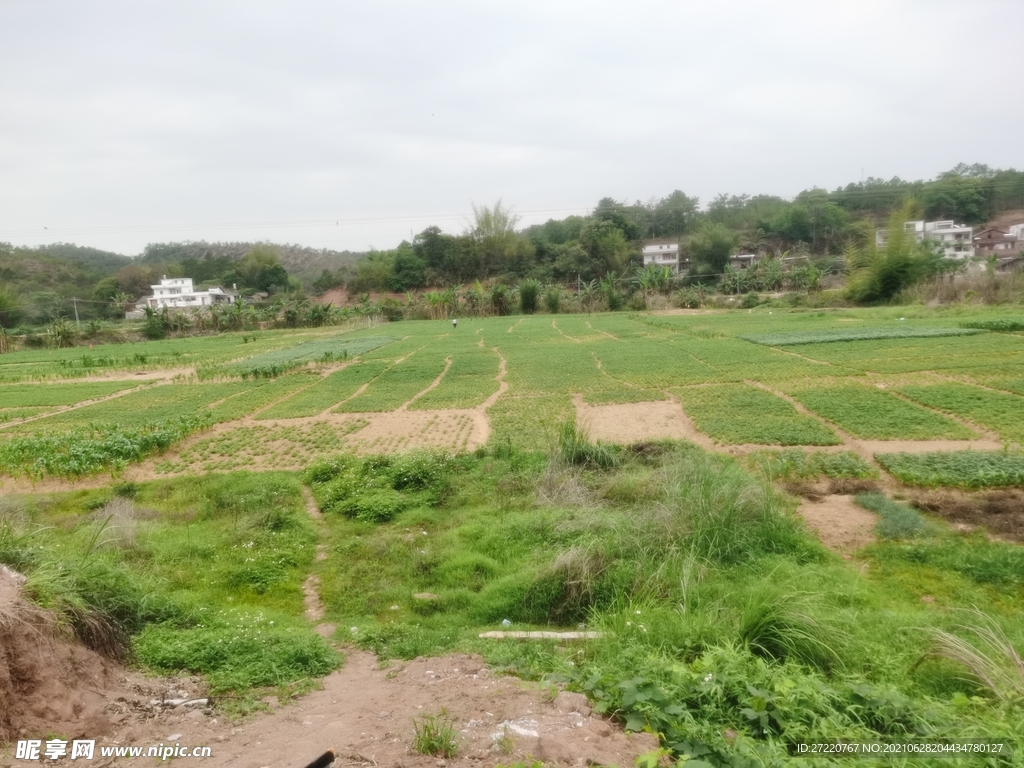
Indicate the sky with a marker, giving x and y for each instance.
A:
(351, 125)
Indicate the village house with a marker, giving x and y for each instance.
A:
(179, 293)
(956, 240)
(664, 253)
(994, 241)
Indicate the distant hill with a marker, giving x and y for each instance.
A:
(302, 262)
(37, 282)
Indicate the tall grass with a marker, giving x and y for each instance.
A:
(990, 659)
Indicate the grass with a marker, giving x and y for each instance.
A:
(435, 735)
(895, 519)
(999, 324)
(737, 413)
(958, 469)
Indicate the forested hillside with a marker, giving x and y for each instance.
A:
(816, 223)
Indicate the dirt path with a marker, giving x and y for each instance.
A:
(481, 422)
(366, 714)
(598, 330)
(564, 334)
(433, 385)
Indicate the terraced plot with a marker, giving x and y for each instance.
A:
(872, 413)
(1003, 413)
(737, 413)
(326, 393)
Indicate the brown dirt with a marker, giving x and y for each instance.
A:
(636, 422)
(839, 523)
(50, 684)
(1001, 512)
(816, 490)
(366, 715)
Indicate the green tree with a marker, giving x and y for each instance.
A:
(711, 248)
(607, 248)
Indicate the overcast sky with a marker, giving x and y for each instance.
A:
(347, 125)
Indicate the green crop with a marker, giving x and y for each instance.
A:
(965, 469)
(325, 393)
(790, 338)
(88, 451)
(1000, 324)
(999, 411)
(869, 412)
(737, 413)
(795, 464)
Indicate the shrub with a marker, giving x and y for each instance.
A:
(377, 505)
(553, 299)
(528, 290)
(750, 300)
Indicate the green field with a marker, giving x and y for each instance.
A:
(457, 462)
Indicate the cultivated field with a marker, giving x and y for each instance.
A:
(862, 381)
(781, 527)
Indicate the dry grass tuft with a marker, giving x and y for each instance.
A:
(991, 661)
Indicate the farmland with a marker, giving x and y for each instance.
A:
(201, 486)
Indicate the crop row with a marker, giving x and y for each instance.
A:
(964, 469)
(398, 384)
(826, 336)
(21, 395)
(999, 411)
(873, 413)
(325, 393)
(87, 451)
(276, 362)
(737, 413)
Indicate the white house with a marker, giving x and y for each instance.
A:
(957, 241)
(178, 293)
(663, 253)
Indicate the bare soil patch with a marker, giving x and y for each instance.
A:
(839, 523)
(1001, 512)
(51, 684)
(637, 422)
(924, 446)
(366, 715)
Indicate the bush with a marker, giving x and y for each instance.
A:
(373, 506)
(528, 290)
(553, 299)
(750, 300)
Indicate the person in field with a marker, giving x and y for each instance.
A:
(455, 322)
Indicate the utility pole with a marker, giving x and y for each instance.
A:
(75, 302)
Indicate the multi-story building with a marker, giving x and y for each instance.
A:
(956, 240)
(664, 253)
(178, 293)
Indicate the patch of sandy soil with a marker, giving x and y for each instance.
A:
(870, 447)
(50, 684)
(366, 715)
(635, 422)
(839, 523)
